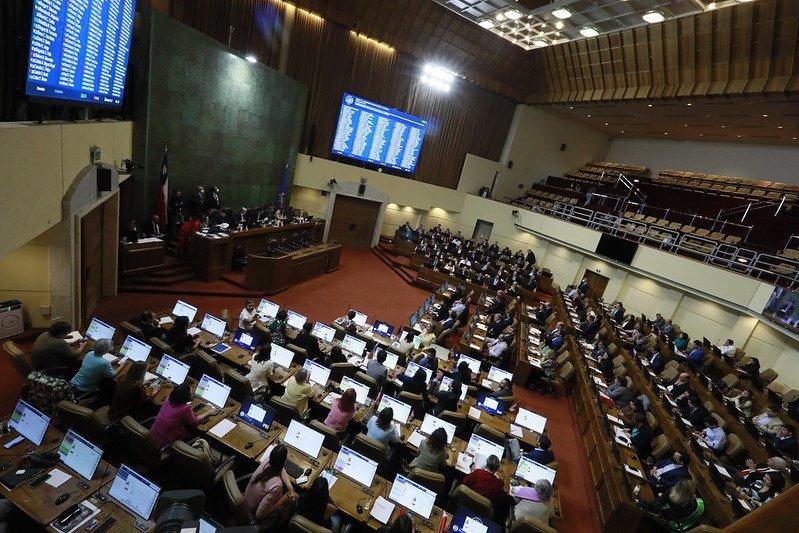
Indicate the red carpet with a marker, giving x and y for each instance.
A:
(365, 283)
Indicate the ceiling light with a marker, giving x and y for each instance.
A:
(540, 42)
(562, 13)
(686, 125)
(487, 24)
(711, 6)
(653, 17)
(738, 136)
(589, 31)
(648, 105)
(723, 126)
(500, 17)
(743, 1)
(622, 131)
(779, 127)
(665, 133)
(589, 116)
(689, 104)
(437, 77)
(513, 14)
(764, 115)
(742, 260)
(559, 25)
(606, 123)
(251, 58)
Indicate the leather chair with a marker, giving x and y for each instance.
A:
(618, 360)
(471, 391)
(553, 465)
(768, 375)
(652, 421)
(489, 433)
(300, 354)
(734, 447)
(260, 330)
(710, 406)
(369, 447)
(660, 446)
(466, 497)
(339, 370)
(528, 525)
(130, 329)
(195, 470)
(672, 364)
(669, 374)
(340, 331)
(416, 401)
(563, 358)
(161, 347)
(720, 420)
(441, 337)
(430, 480)
(739, 353)
(235, 499)
(459, 420)
(205, 364)
(141, 445)
(612, 348)
(619, 371)
(17, 358)
(331, 441)
(240, 386)
(366, 379)
(285, 411)
(85, 421)
(300, 524)
(730, 381)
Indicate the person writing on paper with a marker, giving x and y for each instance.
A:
(341, 412)
(248, 316)
(298, 390)
(484, 481)
(95, 368)
(176, 416)
(269, 496)
(534, 502)
(51, 350)
(261, 366)
(381, 429)
(317, 506)
(432, 452)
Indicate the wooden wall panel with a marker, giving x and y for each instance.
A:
(722, 46)
(643, 65)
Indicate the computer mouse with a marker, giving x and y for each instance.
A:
(359, 508)
(307, 472)
(248, 446)
(204, 420)
(61, 499)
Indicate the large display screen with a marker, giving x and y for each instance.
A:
(79, 50)
(378, 134)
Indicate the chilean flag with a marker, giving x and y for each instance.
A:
(163, 191)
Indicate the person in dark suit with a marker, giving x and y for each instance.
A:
(694, 412)
(131, 233)
(308, 342)
(198, 201)
(449, 322)
(496, 283)
(212, 200)
(153, 228)
(657, 362)
(784, 441)
(583, 286)
(542, 454)
(148, 324)
(666, 473)
(530, 258)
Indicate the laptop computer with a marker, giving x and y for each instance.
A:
(412, 496)
(212, 391)
(134, 349)
(256, 413)
(383, 329)
(246, 339)
(267, 309)
(80, 455)
(304, 439)
(173, 370)
(491, 405)
(531, 471)
(183, 309)
(467, 521)
(134, 492)
(355, 466)
(99, 330)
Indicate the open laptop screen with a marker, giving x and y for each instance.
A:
(304, 439)
(134, 349)
(353, 344)
(172, 369)
(361, 390)
(323, 332)
(246, 339)
(402, 411)
(295, 320)
(257, 414)
(135, 492)
(99, 330)
(267, 309)
(317, 373)
(183, 309)
(281, 356)
(29, 422)
(214, 326)
(79, 454)
(212, 391)
(412, 496)
(531, 471)
(355, 466)
(360, 318)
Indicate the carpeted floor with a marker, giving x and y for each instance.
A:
(365, 283)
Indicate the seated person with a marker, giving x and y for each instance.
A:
(619, 392)
(432, 452)
(743, 402)
(463, 373)
(752, 472)
(668, 329)
(449, 321)
(713, 436)
(668, 472)
(427, 337)
(497, 349)
(347, 320)
(129, 394)
(316, 505)
(176, 416)
(641, 436)
(380, 428)
(605, 365)
(298, 390)
(505, 389)
(727, 349)
(680, 389)
(534, 502)
(261, 366)
(335, 356)
(149, 325)
(248, 316)
(542, 453)
(678, 506)
(341, 412)
(308, 342)
(694, 412)
(681, 342)
(50, 350)
(657, 362)
(484, 481)
(446, 400)
(557, 341)
(768, 422)
(758, 492)
(751, 370)
(599, 349)
(95, 368)
(416, 384)
(429, 360)
(270, 496)
(695, 356)
(375, 367)
(178, 337)
(784, 441)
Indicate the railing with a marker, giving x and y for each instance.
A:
(748, 209)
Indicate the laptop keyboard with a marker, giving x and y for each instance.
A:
(200, 406)
(293, 469)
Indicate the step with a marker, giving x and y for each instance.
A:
(391, 264)
(170, 279)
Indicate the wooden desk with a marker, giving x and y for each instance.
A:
(348, 494)
(210, 258)
(140, 257)
(52, 438)
(431, 525)
(273, 274)
(243, 434)
(110, 509)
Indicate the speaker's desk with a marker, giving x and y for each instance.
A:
(274, 274)
(145, 255)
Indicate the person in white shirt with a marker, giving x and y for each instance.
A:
(248, 316)
(727, 348)
(459, 306)
(261, 366)
(768, 422)
(713, 435)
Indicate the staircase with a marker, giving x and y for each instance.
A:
(173, 271)
(399, 264)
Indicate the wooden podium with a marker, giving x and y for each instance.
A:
(276, 273)
(141, 256)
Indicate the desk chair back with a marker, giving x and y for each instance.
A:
(460, 422)
(16, 357)
(286, 411)
(466, 497)
(240, 386)
(195, 468)
(331, 441)
(366, 379)
(160, 348)
(491, 434)
(660, 446)
(528, 525)
(430, 480)
(416, 401)
(300, 524)
(205, 364)
(81, 419)
(369, 447)
(130, 329)
(300, 354)
(235, 499)
(140, 444)
(339, 370)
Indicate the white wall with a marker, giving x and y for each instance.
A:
(534, 142)
(753, 161)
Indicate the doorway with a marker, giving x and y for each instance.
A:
(596, 284)
(482, 230)
(353, 220)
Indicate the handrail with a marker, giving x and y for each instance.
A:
(749, 207)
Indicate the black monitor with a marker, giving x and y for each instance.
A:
(616, 248)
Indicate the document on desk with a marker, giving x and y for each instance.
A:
(615, 420)
(330, 397)
(516, 431)
(149, 240)
(416, 438)
(165, 320)
(722, 470)
(474, 412)
(381, 510)
(222, 428)
(634, 471)
(193, 331)
(57, 478)
(464, 462)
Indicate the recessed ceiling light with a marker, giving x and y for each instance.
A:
(562, 13)
(779, 127)
(653, 17)
(571, 107)
(540, 42)
(487, 24)
(513, 14)
(559, 25)
(794, 138)
(686, 125)
(648, 105)
(665, 133)
(622, 131)
(251, 58)
(738, 136)
(606, 123)
(589, 31)
(701, 134)
(500, 17)
(764, 115)
(723, 126)
(689, 104)
(742, 260)
(589, 116)
(743, 1)
(711, 6)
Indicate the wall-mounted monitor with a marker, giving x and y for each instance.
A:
(371, 132)
(620, 250)
(79, 51)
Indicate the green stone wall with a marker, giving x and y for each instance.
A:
(227, 122)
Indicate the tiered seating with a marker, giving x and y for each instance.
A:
(541, 195)
(751, 190)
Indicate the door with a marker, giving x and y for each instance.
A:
(353, 220)
(596, 284)
(91, 244)
(482, 230)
